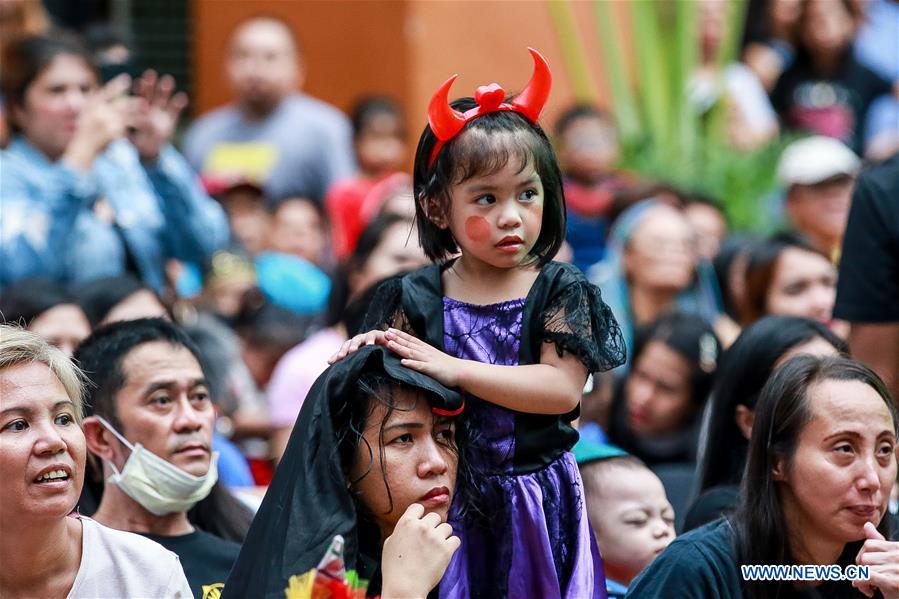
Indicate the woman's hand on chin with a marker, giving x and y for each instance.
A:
(416, 555)
(882, 557)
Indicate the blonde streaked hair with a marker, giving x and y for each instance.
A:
(18, 346)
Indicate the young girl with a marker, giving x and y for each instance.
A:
(517, 332)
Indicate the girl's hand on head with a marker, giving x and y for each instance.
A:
(882, 558)
(416, 555)
(351, 345)
(424, 358)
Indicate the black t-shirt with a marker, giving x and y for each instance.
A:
(702, 564)
(835, 105)
(206, 560)
(868, 288)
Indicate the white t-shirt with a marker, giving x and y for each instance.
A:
(122, 565)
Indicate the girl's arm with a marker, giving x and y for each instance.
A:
(554, 386)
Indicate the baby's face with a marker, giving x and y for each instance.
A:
(632, 518)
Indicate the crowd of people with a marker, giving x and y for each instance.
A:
(262, 350)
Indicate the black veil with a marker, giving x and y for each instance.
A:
(308, 501)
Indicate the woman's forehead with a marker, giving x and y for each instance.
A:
(850, 407)
(662, 220)
(403, 405)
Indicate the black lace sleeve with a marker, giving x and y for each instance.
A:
(385, 309)
(577, 320)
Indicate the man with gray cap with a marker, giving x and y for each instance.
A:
(818, 173)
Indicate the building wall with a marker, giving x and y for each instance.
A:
(402, 47)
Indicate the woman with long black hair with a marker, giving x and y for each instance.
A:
(727, 426)
(822, 462)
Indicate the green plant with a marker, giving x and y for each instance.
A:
(664, 135)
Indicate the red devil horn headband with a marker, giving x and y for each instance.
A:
(446, 122)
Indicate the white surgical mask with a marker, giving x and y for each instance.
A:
(157, 484)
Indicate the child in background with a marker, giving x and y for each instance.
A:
(299, 229)
(521, 333)
(379, 139)
(244, 203)
(629, 511)
(587, 143)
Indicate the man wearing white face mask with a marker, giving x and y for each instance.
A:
(150, 422)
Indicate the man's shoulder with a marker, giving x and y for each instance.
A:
(882, 180)
(304, 106)
(209, 123)
(198, 543)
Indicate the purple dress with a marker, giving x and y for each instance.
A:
(532, 537)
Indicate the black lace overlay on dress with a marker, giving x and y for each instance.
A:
(578, 321)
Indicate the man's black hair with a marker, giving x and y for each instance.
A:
(100, 356)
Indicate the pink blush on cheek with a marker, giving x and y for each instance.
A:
(477, 228)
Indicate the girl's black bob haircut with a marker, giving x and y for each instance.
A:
(484, 147)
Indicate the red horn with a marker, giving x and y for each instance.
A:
(532, 99)
(445, 121)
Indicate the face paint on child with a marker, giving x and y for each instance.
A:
(477, 228)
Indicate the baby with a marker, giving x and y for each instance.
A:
(628, 509)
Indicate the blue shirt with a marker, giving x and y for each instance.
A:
(50, 227)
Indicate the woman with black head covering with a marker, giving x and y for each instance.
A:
(373, 449)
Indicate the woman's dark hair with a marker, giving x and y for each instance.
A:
(368, 242)
(784, 409)
(220, 513)
(730, 257)
(24, 60)
(744, 369)
(24, 301)
(691, 337)
(100, 296)
(484, 147)
(366, 109)
(762, 259)
(350, 419)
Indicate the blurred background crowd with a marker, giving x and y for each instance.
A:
(710, 158)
